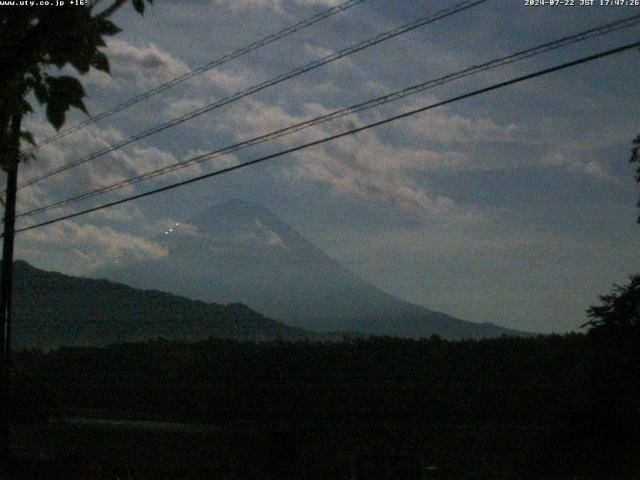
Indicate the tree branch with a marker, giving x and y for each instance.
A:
(112, 9)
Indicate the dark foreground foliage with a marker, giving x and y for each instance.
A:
(521, 381)
(553, 406)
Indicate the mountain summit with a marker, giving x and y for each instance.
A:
(240, 251)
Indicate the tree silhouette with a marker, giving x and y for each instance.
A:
(620, 309)
(36, 41)
(613, 424)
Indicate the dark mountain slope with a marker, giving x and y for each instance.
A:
(54, 309)
(241, 252)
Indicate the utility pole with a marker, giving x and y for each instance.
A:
(11, 169)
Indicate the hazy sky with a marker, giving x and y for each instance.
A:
(515, 207)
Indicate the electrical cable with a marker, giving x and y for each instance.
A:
(515, 57)
(353, 131)
(261, 86)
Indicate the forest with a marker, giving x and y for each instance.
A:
(547, 403)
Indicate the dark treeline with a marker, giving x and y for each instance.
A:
(508, 380)
(577, 399)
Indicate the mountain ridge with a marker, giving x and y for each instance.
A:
(52, 309)
(239, 251)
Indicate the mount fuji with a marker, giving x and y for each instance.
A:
(240, 252)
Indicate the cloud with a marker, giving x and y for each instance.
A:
(142, 66)
(278, 5)
(592, 168)
(368, 168)
(363, 165)
(448, 129)
(575, 161)
(115, 167)
(94, 245)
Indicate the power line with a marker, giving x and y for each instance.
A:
(203, 68)
(353, 131)
(515, 57)
(261, 86)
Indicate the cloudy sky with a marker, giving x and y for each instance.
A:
(515, 207)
